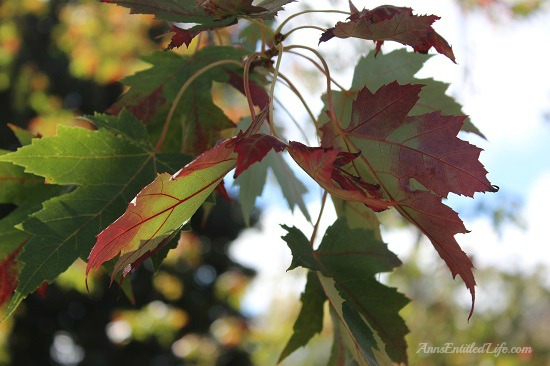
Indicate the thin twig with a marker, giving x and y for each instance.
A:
(184, 87)
(280, 27)
(272, 90)
(304, 27)
(316, 64)
(316, 227)
(332, 113)
(246, 76)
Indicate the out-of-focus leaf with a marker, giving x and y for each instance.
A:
(206, 15)
(251, 185)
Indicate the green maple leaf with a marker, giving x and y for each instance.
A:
(109, 167)
(346, 263)
(26, 191)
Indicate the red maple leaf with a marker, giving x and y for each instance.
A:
(324, 165)
(181, 36)
(416, 161)
(393, 23)
(253, 149)
(425, 148)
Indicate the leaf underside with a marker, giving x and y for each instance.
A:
(346, 263)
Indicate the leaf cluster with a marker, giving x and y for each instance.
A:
(121, 193)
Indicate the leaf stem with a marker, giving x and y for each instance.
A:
(316, 227)
(303, 27)
(246, 76)
(280, 48)
(332, 113)
(184, 87)
(280, 27)
(316, 64)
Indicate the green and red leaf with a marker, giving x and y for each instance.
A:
(161, 209)
(416, 161)
(425, 148)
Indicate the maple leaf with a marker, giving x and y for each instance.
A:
(160, 209)
(252, 181)
(62, 230)
(416, 160)
(346, 263)
(322, 164)
(393, 23)
(181, 36)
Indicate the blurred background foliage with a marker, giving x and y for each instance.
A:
(60, 59)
